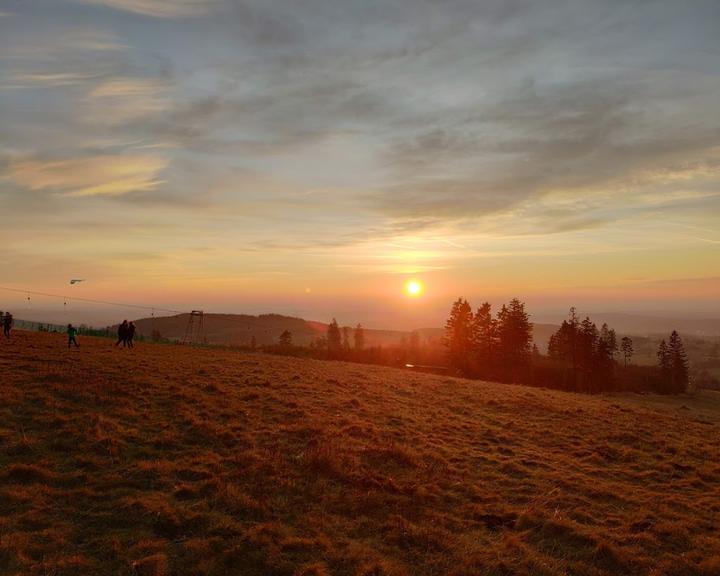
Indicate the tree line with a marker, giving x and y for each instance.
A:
(481, 346)
(581, 357)
(350, 344)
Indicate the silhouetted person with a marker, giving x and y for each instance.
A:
(130, 334)
(122, 334)
(7, 323)
(72, 332)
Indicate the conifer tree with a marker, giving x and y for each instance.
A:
(678, 363)
(663, 356)
(319, 343)
(587, 351)
(613, 343)
(626, 346)
(459, 335)
(556, 344)
(285, 339)
(334, 338)
(485, 338)
(609, 339)
(359, 337)
(563, 344)
(588, 335)
(514, 331)
(588, 340)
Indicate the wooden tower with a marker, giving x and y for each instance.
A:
(195, 330)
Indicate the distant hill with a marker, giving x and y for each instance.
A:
(235, 329)
(542, 333)
(646, 324)
(636, 324)
(238, 329)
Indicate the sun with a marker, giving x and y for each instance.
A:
(413, 288)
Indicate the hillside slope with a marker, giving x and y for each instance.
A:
(170, 460)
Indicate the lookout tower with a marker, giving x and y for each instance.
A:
(195, 330)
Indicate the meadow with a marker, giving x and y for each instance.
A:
(167, 460)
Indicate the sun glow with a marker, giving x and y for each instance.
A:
(413, 288)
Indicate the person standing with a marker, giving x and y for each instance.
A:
(7, 323)
(130, 334)
(122, 334)
(72, 332)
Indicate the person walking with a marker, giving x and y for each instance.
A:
(7, 323)
(122, 334)
(72, 332)
(130, 334)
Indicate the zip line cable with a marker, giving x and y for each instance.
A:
(65, 300)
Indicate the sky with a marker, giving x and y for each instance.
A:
(310, 157)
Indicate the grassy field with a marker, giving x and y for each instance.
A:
(168, 460)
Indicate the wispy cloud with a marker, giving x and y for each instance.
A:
(158, 8)
(89, 176)
(128, 88)
(70, 56)
(66, 42)
(46, 80)
(119, 100)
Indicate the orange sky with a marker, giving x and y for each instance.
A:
(200, 154)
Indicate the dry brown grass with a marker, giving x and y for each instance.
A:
(166, 460)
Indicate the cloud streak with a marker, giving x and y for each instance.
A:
(157, 8)
(120, 100)
(89, 176)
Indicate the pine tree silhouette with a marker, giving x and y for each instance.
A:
(359, 337)
(515, 338)
(286, 339)
(626, 345)
(679, 371)
(334, 339)
(485, 339)
(459, 335)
